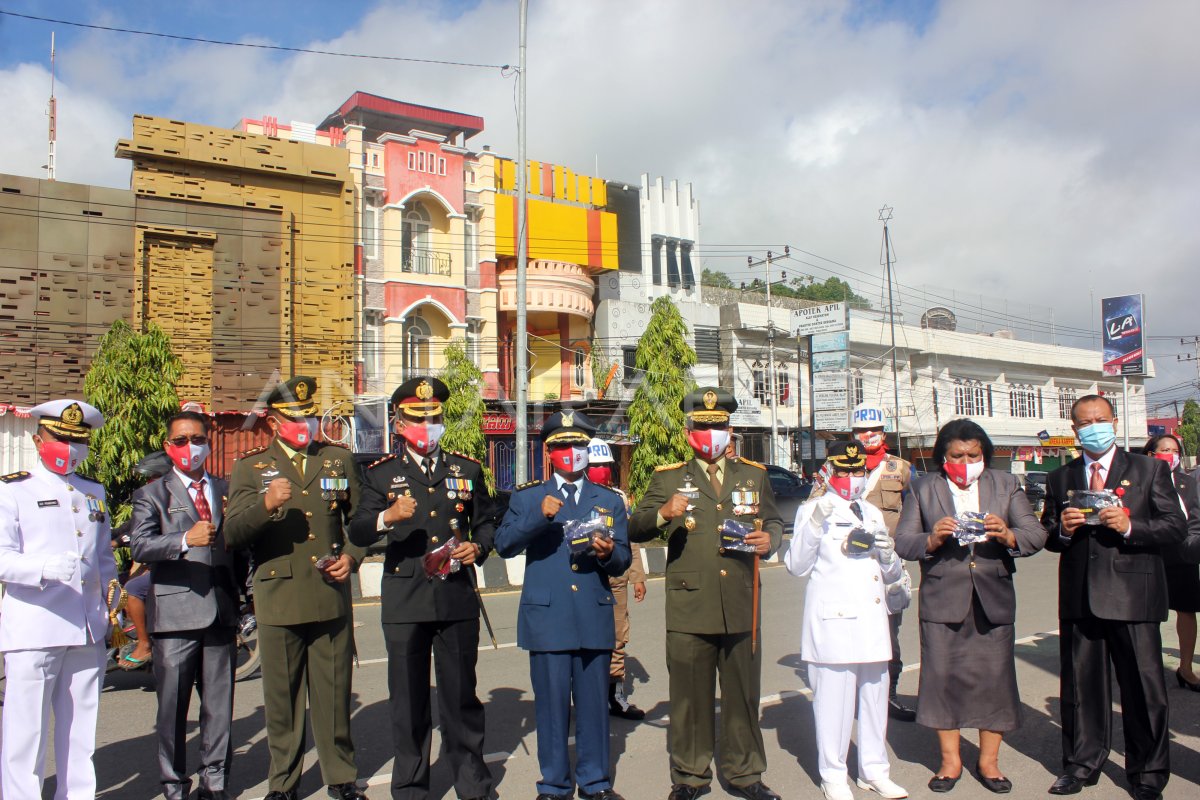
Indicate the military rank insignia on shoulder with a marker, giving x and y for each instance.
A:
(253, 451)
(752, 463)
(13, 477)
(463, 456)
(665, 467)
(382, 460)
(528, 485)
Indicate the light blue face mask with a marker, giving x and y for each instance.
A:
(1097, 437)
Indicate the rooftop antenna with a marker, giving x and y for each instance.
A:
(52, 111)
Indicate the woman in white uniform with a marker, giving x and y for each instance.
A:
(841, 543)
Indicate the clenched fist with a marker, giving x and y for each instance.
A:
(279, 491)
(675, 507)
(550, 505)
(404, 507)
(202, 534)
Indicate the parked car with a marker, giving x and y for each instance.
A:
(1035, 490)
(790, 491)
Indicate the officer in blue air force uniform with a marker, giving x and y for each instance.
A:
(566, 616)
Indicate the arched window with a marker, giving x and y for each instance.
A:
(417, 334)
(414, 238)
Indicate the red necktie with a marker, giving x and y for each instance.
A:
(1097, 482)
(202, 509)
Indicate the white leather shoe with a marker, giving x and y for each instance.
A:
(836, 791)
(884, 787)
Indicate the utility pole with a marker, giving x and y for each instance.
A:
(1194, 342)
(771, 382)
(52, 111)
(885, 214)
(521, 372)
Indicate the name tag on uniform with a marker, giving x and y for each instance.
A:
(47, 503)
(177, 510)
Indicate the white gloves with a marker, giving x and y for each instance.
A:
(60, 568)
(885, 548)
(822, 507)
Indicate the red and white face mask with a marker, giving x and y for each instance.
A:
(299, 433)
(423, 438)
(569, 459)
(709, 444)
(62, 457)
(871, 441)
(1172, 459)
(963, 475)
(188, 456)
(848, 487)
(601, 474)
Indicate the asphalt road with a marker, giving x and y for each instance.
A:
(126, 766)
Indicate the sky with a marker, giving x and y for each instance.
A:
(1037, 156)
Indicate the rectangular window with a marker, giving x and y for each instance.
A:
(971, 399)
(760, 385)
(441, 166)
(656, 244)
(371, 348)
(628, 363)
(672, 264)
(689, 277)
(708, 345)
(370, 232)
(856, 385)
(421, 162)
(580, 362)
(783, 387)
(412, 161)
(1022, 402)
(470, 249)
(1066, 398)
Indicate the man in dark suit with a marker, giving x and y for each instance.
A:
(413, 499)
(191, 609)
(566, 619)
(710, 599)
(1112, 596)
(289, 503)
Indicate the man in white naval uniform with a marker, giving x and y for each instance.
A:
(55, 563)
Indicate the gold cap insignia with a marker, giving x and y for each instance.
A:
(302, 391)
(568, 419)
(852, 451)
(710, 399)
(72, 414)
(424, 390)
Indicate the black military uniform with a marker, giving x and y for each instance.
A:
(424, 613)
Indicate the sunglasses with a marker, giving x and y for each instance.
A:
(180, 441)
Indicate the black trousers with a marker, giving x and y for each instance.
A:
(455, 649)
(1091, 650)
(895, 664)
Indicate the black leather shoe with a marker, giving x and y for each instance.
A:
(754, 791)
(999, 785)
(1143, 792)
(548, 796)
(943, 783)
(211, 794)
(346, 791)
(900, 712)
(681, 791)
(603, 794)
(1069, 784)
(290, 794)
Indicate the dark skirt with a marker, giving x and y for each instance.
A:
(968, 675)
(1183, 587)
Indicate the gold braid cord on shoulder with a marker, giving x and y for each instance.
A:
(119, 639)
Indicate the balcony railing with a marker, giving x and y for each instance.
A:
(426, 262)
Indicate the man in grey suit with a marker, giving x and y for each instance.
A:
(192, 607)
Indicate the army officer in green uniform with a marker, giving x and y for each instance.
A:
(710, 599)
(289, 504)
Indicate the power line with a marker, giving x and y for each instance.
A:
(277, 47)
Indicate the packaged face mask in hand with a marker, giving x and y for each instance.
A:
(438, 563)
(859, 542)
(970, 528)
(579, 533)
(733, 537)
(1091, 503)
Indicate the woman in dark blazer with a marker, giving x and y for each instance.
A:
(1183, 579)
(967, 601)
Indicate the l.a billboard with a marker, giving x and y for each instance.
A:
(1123, 335)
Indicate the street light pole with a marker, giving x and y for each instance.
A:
(885, 214)
(521, 371)
(772, 385)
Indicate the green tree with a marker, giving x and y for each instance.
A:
(601, 364)
(832, 290)
(664, 361)
(1189, 428)
(132, 382)
(463, 412)
(714, 278)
